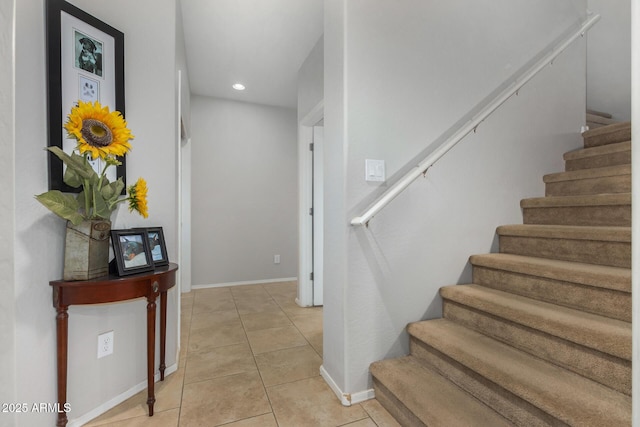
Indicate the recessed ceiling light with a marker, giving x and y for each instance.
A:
(238, 86)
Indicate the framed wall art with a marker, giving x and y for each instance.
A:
(132, 252)
(85, 62)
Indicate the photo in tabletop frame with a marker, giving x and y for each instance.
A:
(132, 251)
(157, 246)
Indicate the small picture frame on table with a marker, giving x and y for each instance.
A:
(132, 252)
(157, 245)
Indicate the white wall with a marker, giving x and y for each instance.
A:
(398, 75)
(150, 110)
(609, 59)
(311, 80)
(7, 206)
(244, 203)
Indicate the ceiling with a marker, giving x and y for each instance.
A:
(259, 43)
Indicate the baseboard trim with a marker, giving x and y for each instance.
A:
(347, 399)
(249, 282)
(80, 421)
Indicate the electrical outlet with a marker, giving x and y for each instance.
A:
(105, 344)
(276, 259)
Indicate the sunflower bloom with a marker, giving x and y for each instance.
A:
(138, 198)
(98, 131)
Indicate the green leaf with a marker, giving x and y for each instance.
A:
(71, 178)
(74, 161)
(101, 208)
(63, 205)
(112, 191)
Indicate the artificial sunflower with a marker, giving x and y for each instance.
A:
(138, 197)
(101, 135)
(98, 131)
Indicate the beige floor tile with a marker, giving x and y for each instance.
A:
(218, 362)
(246, 306)
(291, 308)
(311, 320)
(367, 422)
(208, 292)
(209, 319)
(223, 400)
(244, 288)
(159, 419)
(249, 292)
(265, 320)
(216, 336)
(275, 339)
(315, 340)
(168, 395)
(288, 365)
(267, 420)
(310, 403)
(378, 414)
(213, 303)
(282, 289)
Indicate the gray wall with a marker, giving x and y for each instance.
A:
(397, 76)
(609, 59)
(39, 242)
(7, 217)
(244, 191)
(311, 80)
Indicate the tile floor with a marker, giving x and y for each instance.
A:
(250, 357)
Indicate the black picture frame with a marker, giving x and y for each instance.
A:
(132, 252)
(157, 246)
(69, 31)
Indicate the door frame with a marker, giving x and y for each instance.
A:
(305, 201)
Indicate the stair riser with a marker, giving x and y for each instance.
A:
(605, 160)
(589, 186)
(603, 368)
(394, 406)
(614, 254)
(512, 407)
(612, 215)
(605, 302)
(621, 135)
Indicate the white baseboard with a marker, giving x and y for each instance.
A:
(77, 422)
(249, 282)
(347, 399)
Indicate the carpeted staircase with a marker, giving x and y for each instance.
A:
(543, 335)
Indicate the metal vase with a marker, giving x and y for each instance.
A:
(86, 254)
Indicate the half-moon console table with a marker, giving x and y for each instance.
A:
(113, 289)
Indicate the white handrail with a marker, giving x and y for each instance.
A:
(472, 124)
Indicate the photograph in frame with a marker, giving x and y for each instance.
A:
(158, 246)
(85, 59)
(131, 251)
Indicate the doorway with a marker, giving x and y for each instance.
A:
(311, 223)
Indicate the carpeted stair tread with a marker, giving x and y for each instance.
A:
(608, 171)
(602, 245)
(599, 120)
(566, 396)
(604, 334)
(605, 234)
(598, 157)
(615, 278)
(431, 398)
(597, 151)
(583, 200)
(589, 210)
(599, 113)
(607, 134)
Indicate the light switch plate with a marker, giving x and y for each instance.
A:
(374, 170)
